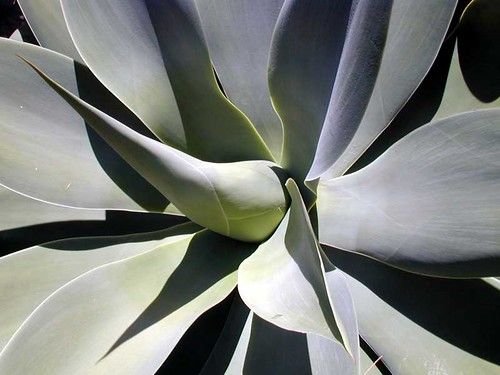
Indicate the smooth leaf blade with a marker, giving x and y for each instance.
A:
(351, 93)
(284, 280)
(401, 316)
(29, 276)
(239, 38)
(414, 36)
(127, 316)
(243, 200)
(429, 204)
(43, 139)
(302, 69)
(47, 23)
(21, 211)
(165, 74)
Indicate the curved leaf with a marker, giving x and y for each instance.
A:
(445, 90)
(47, 152)
(127, 316)
(152, 55)
(47, 22)
(238, 36)
(284, 281)
(415, 33)
(21, 211)
(401, 318)
(243, 200)
(251, 345)
(29, 276)
(355, 81)
(302, 70)
(429, 204)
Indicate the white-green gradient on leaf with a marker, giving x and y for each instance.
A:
(251, 187)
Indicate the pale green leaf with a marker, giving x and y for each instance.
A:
(126, 317)
(284, 281)
(152, 55)
(29, 276)
(429, 204)
(238, 34)
(243, 200)
(46, 20)
(423, 325)
(21, 211)
(47, 152)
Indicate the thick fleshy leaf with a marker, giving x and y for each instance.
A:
(46, 19)
(429, 204)
(284, 281)
(445, 90)
(251, 345)
(47, 152)
(401, 318)
(355, 81)
(243, 200)
(239, 38)
(302, 70)
(29, 276)
(152, 55)
(126, 316)
(21, 211)
(415, 33)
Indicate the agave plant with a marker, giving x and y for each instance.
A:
(241, 119)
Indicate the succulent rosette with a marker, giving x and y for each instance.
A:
(242, 123)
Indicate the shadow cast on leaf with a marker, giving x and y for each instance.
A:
(463, 312)
(207, 260)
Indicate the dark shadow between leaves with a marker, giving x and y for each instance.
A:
(478, 51)
(190, 354)
(116, 223)
(208, 259)
(463, 312)
(374, 357)
(273, 350)
(122, 174)
(223, 351)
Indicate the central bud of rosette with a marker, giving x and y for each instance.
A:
(242, 200)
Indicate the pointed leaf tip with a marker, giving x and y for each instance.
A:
(242, 200)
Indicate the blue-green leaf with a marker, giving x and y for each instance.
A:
(127, 316)
(238, 36)
(414, 35)
(284, 281)
(47, 152)
(152, 55)
(429, 204)
(29, 276)
(47, 22)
